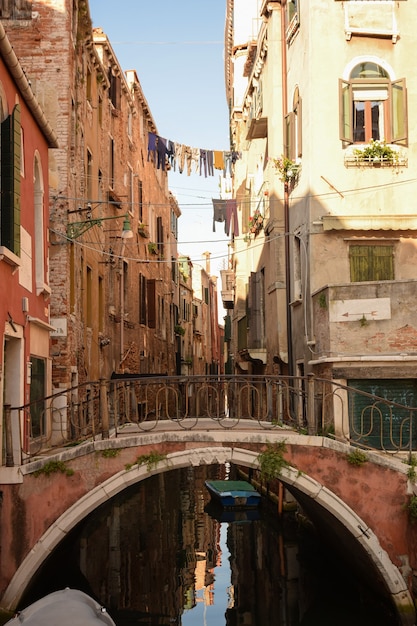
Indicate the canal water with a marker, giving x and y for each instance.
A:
(160, 554)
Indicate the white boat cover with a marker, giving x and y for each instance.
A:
(67, 607)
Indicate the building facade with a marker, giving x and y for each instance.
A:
(25, 363)
(113, 222)
(115, 286)
(324, 276)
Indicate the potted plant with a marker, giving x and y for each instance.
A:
(142, 230)
(288, 169)
(256, 222)
(152, 247)
(376, 152)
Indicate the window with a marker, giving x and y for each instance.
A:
(160, 235)
(111, 162)
(293, 148)
(371, 262)
(101, 303)
(130, 192)
(37, 395)
(142, 299)
(151, 296)
(10, 182)
(130, 124)
(292, 20)
(89, 175)
(140, 201)
(115, 89)
(88, 82)
(100, 110)
(256, 310)
(89, 298)
(174, 225)
(373, 106)
(16, 10)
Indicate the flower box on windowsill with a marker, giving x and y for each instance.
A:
(353, 160)
(375, 154)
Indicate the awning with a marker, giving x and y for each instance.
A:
(369, 222)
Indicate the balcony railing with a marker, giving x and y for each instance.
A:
(103, 409)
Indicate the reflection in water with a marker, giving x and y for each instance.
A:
(158, 554)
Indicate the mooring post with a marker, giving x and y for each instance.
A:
(104, 409)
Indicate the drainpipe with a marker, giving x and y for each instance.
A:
(286, 192)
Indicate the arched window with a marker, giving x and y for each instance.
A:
(372, 106)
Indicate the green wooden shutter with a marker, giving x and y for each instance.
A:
(382, 263)
(346, 111)
(378, 424)
(371, 263)
(290, 147)
(359, 263)
(398, 96)
(10, 181)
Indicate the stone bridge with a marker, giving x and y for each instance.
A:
(95, 440)
(364, 506)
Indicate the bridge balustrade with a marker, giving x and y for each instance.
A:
(103, 409)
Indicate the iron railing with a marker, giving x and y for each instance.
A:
(104, 408)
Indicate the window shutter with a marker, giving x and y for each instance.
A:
(160, 235)
(298, 121)
(142, 299)
(10, 181)
(255, 306)
(346, 111)
(150, 288)
(290, 148)
(359, 263)
(383, 263)
(399, 121)
(371, 263)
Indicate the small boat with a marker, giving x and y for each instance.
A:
(233, 493)
(67, 607)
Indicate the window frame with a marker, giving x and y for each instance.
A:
(396, 107)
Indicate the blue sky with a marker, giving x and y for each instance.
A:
(177, 50)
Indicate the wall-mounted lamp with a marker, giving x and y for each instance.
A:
(76, 229)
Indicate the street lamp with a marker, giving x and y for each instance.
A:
(76, 229)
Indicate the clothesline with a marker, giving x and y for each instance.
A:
(167, 154)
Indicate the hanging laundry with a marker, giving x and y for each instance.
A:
(151, 146)
(219, 211)
(171, 154)
(203, 162)
(195, 158)
(218, 160)
(161, 150)
(231, 218)
(166, 154)
(227, 164)
(210, 162)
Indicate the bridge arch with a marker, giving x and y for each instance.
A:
(297, 482)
